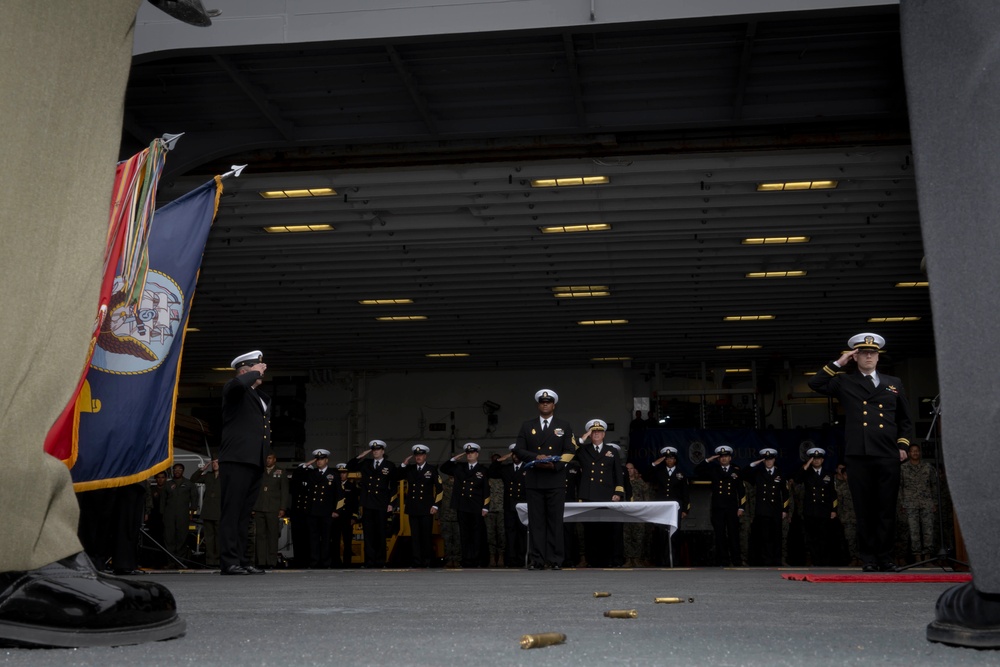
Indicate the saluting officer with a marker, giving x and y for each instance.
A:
(729, 499)
(542, 437)
(877, 435)
(325, 505)
(770, 508)
(515, 534)
(422, 501)
(471, 499)
(670, 484)
(377, 492)
(819, 508)
(246, 437)
(601, 480)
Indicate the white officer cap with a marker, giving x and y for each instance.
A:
(768, 452)
(376, 443)
(866, 341)
(420, 449)
(248, 359)
(611, 444)
(546, 394)
(320, 453)
(723, 449)
(816, 451)
(471, 447)
(597, 425)
(669, 451)
(341, 467)
(512, 446)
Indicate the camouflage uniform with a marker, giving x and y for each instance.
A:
(848, 519)
(494, 523)
(449, 524)
(637, 534)
(916, 496)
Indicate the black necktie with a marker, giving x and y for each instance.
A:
(545, 425)
(771, 471)
(597, 448)
(871, 381)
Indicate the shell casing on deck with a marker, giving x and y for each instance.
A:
(602, 594)
(621, 613)
(671, 600)
(542, 639)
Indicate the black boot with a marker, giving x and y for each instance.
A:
(69, 604)
(966, 617)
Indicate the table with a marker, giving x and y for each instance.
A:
(663, 512)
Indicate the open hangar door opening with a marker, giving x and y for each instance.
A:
(668, 204)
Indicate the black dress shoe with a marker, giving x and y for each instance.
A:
(234, 569)
(556, 567)
(535, 566)
(888, 566)
(966, 617)
(250, 569)
(869, 567)
(69, 604)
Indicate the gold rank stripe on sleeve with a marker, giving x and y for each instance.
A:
(835, 503)
(566, 458)
(619, 489)
(341, 504)
(784, 505)
(903, 441)
(829, 371)
(486, 501)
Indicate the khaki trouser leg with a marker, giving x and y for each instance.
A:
(63, 69)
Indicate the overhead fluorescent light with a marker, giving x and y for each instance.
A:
(385, 302)
(186, 329)
(601, 322)
(569, 181)
(747, 318)
(809, 373)
(787, 186)
(401, 318)
(737, 370)
(282, 229)
(296, 194)
(611, 358)
(570, 229)
(775, 240)
(737, 347)
(882, 320)
(916, 283)
(446, 355)
(775, 274)
(222, 368)
(580, 291)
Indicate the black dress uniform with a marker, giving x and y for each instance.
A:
(423, 492)
(470, 496)
(546, 488)
(878, 426)
(728, 497)
(515, 534)
(601, 477)
(299, 500)
(668, 484)
(770, 501)
(377, 490)
(324, 500)
(819, 500)
(246, 438)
